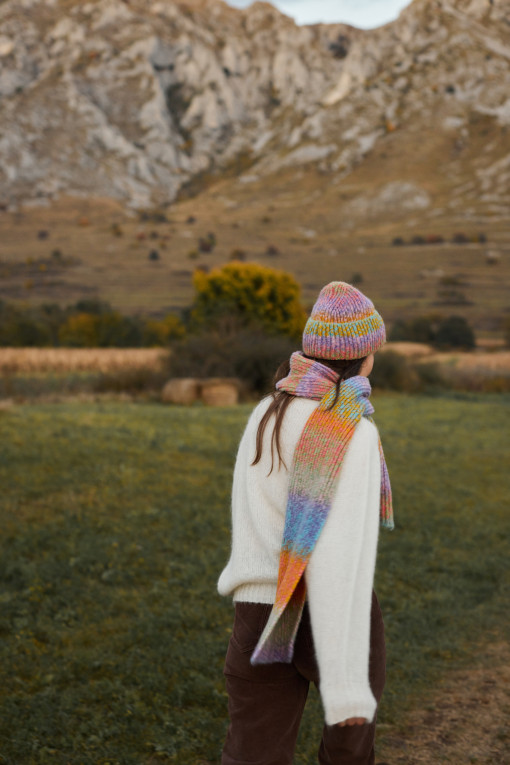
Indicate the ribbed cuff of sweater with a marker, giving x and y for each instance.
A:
(348, 700)
(255, 593)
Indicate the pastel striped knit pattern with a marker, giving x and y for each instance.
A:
(316, 467)
(343, 324)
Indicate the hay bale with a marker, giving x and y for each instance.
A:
(181, 390)
(217, 391)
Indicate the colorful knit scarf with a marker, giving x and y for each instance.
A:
(316, 467)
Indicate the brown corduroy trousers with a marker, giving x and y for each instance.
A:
(266, 702)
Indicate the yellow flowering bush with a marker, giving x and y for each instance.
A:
(252, 293)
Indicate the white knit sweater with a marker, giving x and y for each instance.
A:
(340, 572)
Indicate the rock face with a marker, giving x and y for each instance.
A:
(134, 100)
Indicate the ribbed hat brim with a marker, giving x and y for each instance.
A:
(344, 340)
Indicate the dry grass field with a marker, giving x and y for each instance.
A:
(495, 359)
(36, 360)
(111, 359)
(492, 362)
(62, 360)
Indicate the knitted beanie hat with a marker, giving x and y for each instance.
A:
(343, 324)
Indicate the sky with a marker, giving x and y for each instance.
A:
(365, 14)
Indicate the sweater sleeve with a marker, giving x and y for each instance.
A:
(339, 579)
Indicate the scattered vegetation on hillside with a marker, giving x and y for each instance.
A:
(458, 237)
(245, 319)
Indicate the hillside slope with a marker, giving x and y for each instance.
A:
(305, 148)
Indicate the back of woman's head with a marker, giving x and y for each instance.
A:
(342, 330)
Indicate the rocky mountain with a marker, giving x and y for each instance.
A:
(143, 100)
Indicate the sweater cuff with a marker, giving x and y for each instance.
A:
(351, 700)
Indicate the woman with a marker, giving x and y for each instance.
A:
(310, 492)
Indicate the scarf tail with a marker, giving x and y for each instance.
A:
(276, 643)
(317, 461)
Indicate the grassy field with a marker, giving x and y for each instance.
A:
(115, 521)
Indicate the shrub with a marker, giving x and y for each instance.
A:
(204, 245)
(25, 327)
(86, 324)
(418, 330)
(155, 216)
(430, 376)
(450, 281)
(91, 306)
(79, 331)
(450, 332)
(454, 332)
(52, 316)
(506, 330)
(249, 293)
(249, 354)
(159, 332)
(452, 296)
(207, 243)
(392, 372)
(24, 331)
(106, 330)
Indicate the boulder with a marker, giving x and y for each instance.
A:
(181, 390)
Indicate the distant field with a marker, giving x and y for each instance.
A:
(92, 248)
(115, 526)
(26, 360)
(39, 360)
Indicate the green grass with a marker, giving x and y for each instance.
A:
(30, 385)
(115, 527)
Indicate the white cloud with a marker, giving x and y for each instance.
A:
(360, 13)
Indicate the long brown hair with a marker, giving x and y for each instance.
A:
(281, 400)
